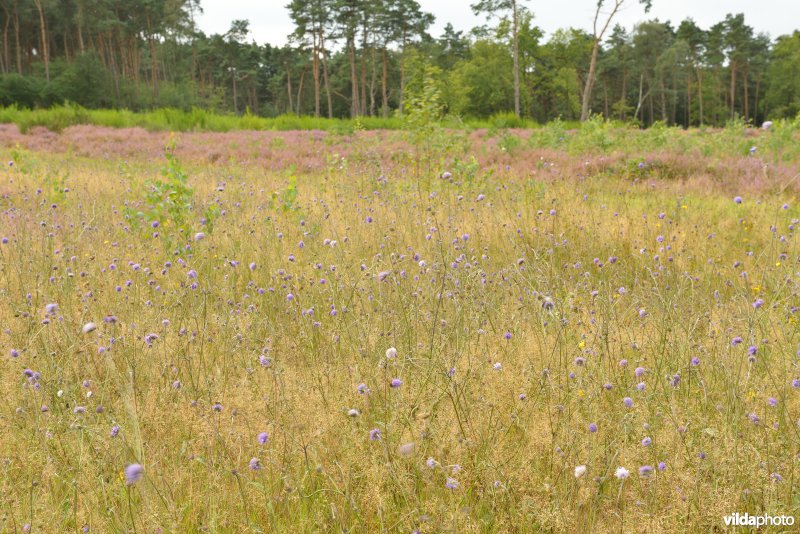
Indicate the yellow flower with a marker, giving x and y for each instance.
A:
(581, 344)
(756, 289)
(684, 207)
(751, 395)
(581, 394)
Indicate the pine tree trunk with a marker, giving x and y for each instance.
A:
(587, 91)
(315, 73)
(289, 87)
(700, 95)
(354, 107)
(327, 82)
(300, 92)
(755, 104)
(624, 97)
(516, 59)
(384, 89)
(746, 99)
(373, 75)
(81, 45)
(363, 99)
(6, 50)
(18, 49)
(733, 89)
(43, 28)
(688, 101)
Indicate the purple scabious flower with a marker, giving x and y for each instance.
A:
(752, 350)
(255, 464)
(375, 434)
(758, 303)
(362, 389)
(695, 361)
(639, 371)
(592, 427)
(263, 437)
(646, 442)
(217, 407)
(507, 335)
(396, 383)
(451, 483)
(737, 200)
(114, 431)
(133, 473)
(736, 341)
(628, 402)
(645, 470)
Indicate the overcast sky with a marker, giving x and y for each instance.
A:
(270, 23)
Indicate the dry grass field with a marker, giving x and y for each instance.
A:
(496, 331)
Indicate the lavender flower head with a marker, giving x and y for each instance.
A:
(133, 473)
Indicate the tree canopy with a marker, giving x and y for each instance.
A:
(361, 57)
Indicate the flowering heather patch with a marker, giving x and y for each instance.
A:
(550, 346)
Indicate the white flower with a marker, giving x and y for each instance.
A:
(352, 412)
(622, 473)
(88, 327)
(391, 352)
(580, 471)
(498, 366)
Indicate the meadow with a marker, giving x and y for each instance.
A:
(557, 329)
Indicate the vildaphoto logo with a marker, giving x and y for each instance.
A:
(747, 520)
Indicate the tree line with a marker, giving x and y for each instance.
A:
(351, 58)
